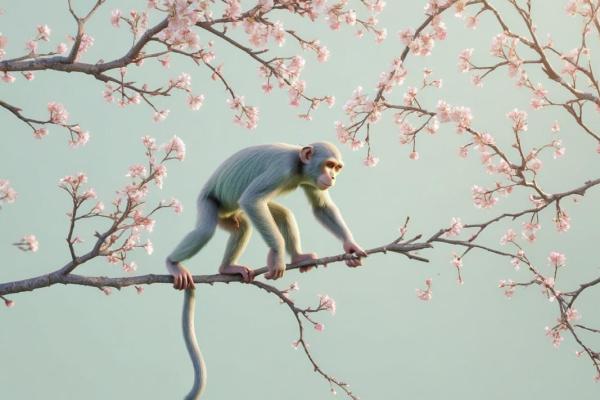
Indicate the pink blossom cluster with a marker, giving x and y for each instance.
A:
(557, 259)
(421, 44)
(7, 193)
(174, 204)
(456, 227)
(42, 34)
(426, 294)
(294, 287)
(395, 76)
(58, 113)
(337, 14)
(72, 183)
(509, 237)
(562, 221)
(28, 243)
(519, 120)
(40, 133)
(483, 198)
(179, 33)
(131, 220)
(3, 43)
(464, 60)
(459, 115)
(508, 286)
(548, 286)
(86, 42)
(259, 33)
(555, 334)
(176, 146)
(137, 21)
(579, 7)
(326, 303)
(79, 137)
(530, 231)
(247, 116)
(371, 161)
(287, 74)
(572, 315)
(457, 262)
(360, 104)
(505, 48)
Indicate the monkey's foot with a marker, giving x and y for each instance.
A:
(234, 269)
(304, 257)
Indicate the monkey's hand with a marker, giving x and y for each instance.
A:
(183, 277)
(350, 247)
(298, 258)
(275, 264)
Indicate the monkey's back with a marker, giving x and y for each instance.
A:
(230, 180)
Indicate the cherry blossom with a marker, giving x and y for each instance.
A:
(161, 115)
(175, 145)
(58, 113)
(426, 294)
(508, 237)
(508, 286)
(456, 227)
(557, 259)
(115, 18)
(562, 221)
(519, 119)
(572, 315)
(327, 303)
(7, 193)
(28, 243)
(195, 102)
(464, 60)
(529, 231)
(371, 161)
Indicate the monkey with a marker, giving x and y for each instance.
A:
(238, 196)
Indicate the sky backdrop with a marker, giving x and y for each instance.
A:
(468, 342)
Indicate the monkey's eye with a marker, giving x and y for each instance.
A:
(330, 164)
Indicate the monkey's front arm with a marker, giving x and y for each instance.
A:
(254, 202)
(329, 215)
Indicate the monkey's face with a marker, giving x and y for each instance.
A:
(330, 168)
(322, 163)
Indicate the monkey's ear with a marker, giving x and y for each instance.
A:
(306, 154)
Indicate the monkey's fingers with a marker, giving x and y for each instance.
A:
(190, 281)
(177, 281)
(183, 281)
(305, 269)
(353, 262)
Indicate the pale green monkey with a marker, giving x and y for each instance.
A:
(240, 195)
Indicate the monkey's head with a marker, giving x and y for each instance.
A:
(322, 163)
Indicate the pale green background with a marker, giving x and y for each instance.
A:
(469, 342)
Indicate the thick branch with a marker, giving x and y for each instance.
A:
(118, 283)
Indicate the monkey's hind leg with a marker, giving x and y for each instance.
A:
(289, 230)
(240, 230)
(195, 240)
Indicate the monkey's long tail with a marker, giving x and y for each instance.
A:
(189, 335)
